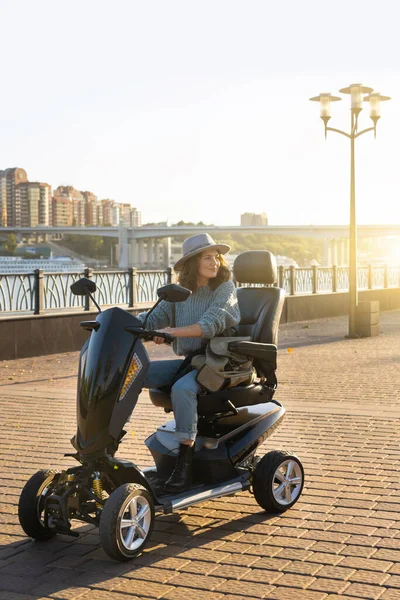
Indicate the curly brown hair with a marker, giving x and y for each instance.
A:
(188, 275)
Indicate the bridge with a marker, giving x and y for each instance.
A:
(136, 243)
(165, 231)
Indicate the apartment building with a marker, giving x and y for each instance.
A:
(77, 213)
(26, 204)
(34, 201)
(10, 208)
(62, 211)
(130, 216)
(253, 219)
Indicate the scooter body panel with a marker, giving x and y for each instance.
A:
(217, 456)
(104, 363)
(123, 471)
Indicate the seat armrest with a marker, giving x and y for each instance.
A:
(264, 352)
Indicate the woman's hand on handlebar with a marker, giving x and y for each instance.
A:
(168, 336)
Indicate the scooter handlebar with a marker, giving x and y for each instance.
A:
(167, 337)
(149, 334)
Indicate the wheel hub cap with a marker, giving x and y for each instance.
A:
(135, 523)
(287, 482)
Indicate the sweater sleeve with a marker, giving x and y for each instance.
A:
(222, 313)
(159, 318)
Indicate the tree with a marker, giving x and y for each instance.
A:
(11, 244)
(88, 245)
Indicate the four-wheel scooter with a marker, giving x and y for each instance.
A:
(115, 494)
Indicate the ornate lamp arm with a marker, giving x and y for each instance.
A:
(348, 135)
(338, 131)
(365, 131)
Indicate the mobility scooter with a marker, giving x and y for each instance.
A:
(115, 494)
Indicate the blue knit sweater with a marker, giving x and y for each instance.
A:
(214, 310)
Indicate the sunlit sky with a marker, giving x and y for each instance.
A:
(199, 110)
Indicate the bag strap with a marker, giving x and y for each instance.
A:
(271, 379)
(185, 367)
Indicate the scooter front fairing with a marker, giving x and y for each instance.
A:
(112, 368)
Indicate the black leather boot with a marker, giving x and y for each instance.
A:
(181, 477)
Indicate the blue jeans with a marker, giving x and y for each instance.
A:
(183, 395)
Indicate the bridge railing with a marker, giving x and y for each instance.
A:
(314, 280)
(40, 292)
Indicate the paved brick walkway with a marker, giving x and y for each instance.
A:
(341, 540)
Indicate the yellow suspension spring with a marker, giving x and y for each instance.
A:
(98, 489)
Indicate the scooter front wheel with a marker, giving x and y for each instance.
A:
(31, 505)
(127, 521)
(278, 481)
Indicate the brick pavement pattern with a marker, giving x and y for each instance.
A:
(341, 540)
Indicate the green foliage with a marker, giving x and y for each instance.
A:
(92, 246)
(180, 238)
(11, 244)
(300, 249)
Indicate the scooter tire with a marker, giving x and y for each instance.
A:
(134, 502)
(31, 504)
(272, 491)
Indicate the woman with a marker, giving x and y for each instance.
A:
(209, 311)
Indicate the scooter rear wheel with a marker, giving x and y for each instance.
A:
(278, 481)
(127, 521)
(31, 505)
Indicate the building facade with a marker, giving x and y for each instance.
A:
(253, 219)
(136, 217)
(34, 201)
(76, 214)
(10, 209)
(130, 216)
(61, 214)
(26, 204)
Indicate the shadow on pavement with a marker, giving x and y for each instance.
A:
(284, 344)
(44, 568)
(37, 380)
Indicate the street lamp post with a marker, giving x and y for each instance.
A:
(356, 91)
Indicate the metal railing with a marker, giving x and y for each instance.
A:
(316, 280)
(39, 292)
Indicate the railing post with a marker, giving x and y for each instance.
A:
(385, 277)
(334, 278)
(89, 274)
(314, 279)
(171, 275)
(292, 280)
(132, 292)
(281, 276)
(370, 277)
(39, 292)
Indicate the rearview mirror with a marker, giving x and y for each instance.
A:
(83, 286)
(173, 293)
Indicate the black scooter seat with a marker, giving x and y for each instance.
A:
(213, 403)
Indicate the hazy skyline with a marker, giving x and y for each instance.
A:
(200, 111)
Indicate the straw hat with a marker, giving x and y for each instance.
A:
(197, 244)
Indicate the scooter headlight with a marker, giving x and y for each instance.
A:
(134, 369)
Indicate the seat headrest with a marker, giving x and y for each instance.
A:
(255, 266)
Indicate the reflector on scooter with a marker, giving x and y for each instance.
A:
(134, 369)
